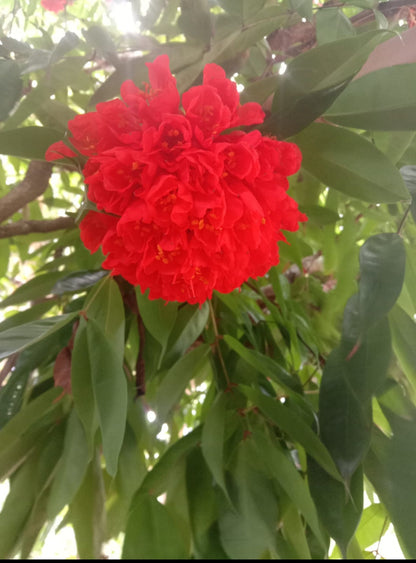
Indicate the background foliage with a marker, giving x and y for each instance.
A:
(249, 427)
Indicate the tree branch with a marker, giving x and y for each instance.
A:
(27, 227)
(32, 186)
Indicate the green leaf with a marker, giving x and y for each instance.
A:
(81, 383)
(99, 38)
(265, 365)
(344, 416)
(156, 480)
(177, 379)
(303, 8)
(10, 87)
(68, 42)
(158, 317)
(105, 305)
(375, 101)
(347, 162)
(248, 530)
(29, 142)
(391, 468)
(86, 512)
(110, 392)
(339, 507)
(152, 532)
(190, 322)
(332, 24)
(314, 79)
(372, 525)
(289, 422)
(281, 468)
(17, 508)
(403, 330)
(212, 442)
(36, 288)
(195, 20)
(71, 468)
(382, 267)
(77, 281)
(203, 510)
(18, 338)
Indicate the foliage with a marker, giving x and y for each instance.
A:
(252, 425)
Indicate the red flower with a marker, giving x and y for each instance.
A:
(55, 5)
(183, 208)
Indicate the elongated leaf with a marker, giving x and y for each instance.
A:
(283, 470)
(314, 79)
(152, 532)
(391, 468)
(403, 330)
(345, 417)
(264, 364)
(248, 531)
(29, 142)
(156, 480)
(375, 101)
(177, 378)
(81, 384)
(110, 392)
(347, 162)
(189, 324)
(77, 281)
(331, 25)
(68, 42)
(87, 513)
(71, 468)
(382, 265)
(288, 421)
(17, 508)
(213, 440)
(10, 86)
(203, 509)
(38, 287)
(18, 338)
(339, 507)
(105, 305)
(158, 317)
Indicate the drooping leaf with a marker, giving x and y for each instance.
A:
(382, 266)
(71, 468)
(390, 467)
(29, 142)
(331, 25)
(212, 441)
(403, 330)
(347, 162)
(81, 383)
(176, 380)
(158, 317)
(110, 392)
(314, 79)
(375, 101)
(18, 338)
(289, 421)
(248, 530)
(203, 507)
(152, 532)
(86, 512)
(281, 468)
(339, 506)
(10, 87)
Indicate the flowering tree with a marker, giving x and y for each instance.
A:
(208, 276)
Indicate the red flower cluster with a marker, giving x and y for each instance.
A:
(55, 5)
(185, 207)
